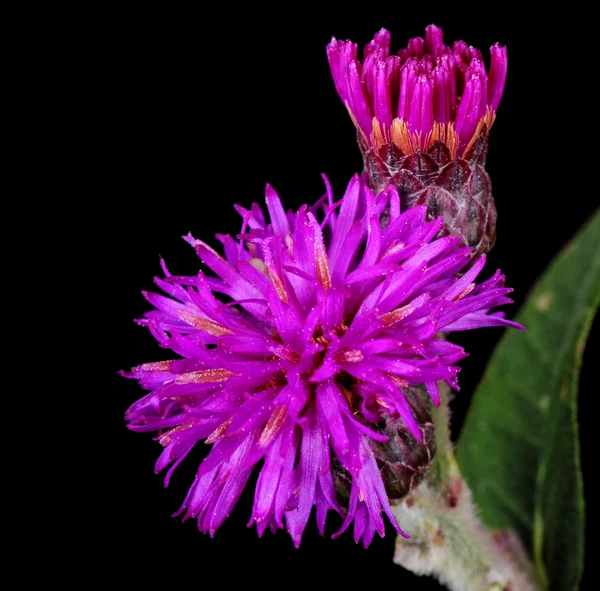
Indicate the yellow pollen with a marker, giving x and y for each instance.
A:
(396, 315)
(277, 283)
(381, 402)
(203, 324)
(205, 376)
(353, 356)
(219, 432)
(273, 425)
(397, 380)
(323, 276)
(160, 366)
(395, 248)
(285, 353)
(465, 292)
(167, 438)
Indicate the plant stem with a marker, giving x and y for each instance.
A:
(448, 541)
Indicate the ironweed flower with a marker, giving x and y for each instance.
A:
(308, 335)
(422, 118)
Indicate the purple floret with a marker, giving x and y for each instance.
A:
(428, 91)
(296, 344)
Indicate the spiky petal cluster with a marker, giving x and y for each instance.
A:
(425, 92)
(327, 315)
(423, 117)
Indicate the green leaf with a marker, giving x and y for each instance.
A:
(519, 447)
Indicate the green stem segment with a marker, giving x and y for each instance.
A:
(448, 541)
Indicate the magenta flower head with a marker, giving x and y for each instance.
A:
(312, 333)
(422, 118)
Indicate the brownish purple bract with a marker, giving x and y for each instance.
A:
(403, 460)
(458, 189)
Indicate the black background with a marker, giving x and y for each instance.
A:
(189, 113)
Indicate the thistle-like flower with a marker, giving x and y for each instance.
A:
(422, 118)
(301, 353)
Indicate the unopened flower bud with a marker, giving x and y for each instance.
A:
(423, 118)
(402, 460)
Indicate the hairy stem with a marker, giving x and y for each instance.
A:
(448, 541)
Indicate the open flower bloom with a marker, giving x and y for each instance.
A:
(308, 333)
(423, 117)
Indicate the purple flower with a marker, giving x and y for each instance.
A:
(423, 117)
(425, 93)
(297, 345)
